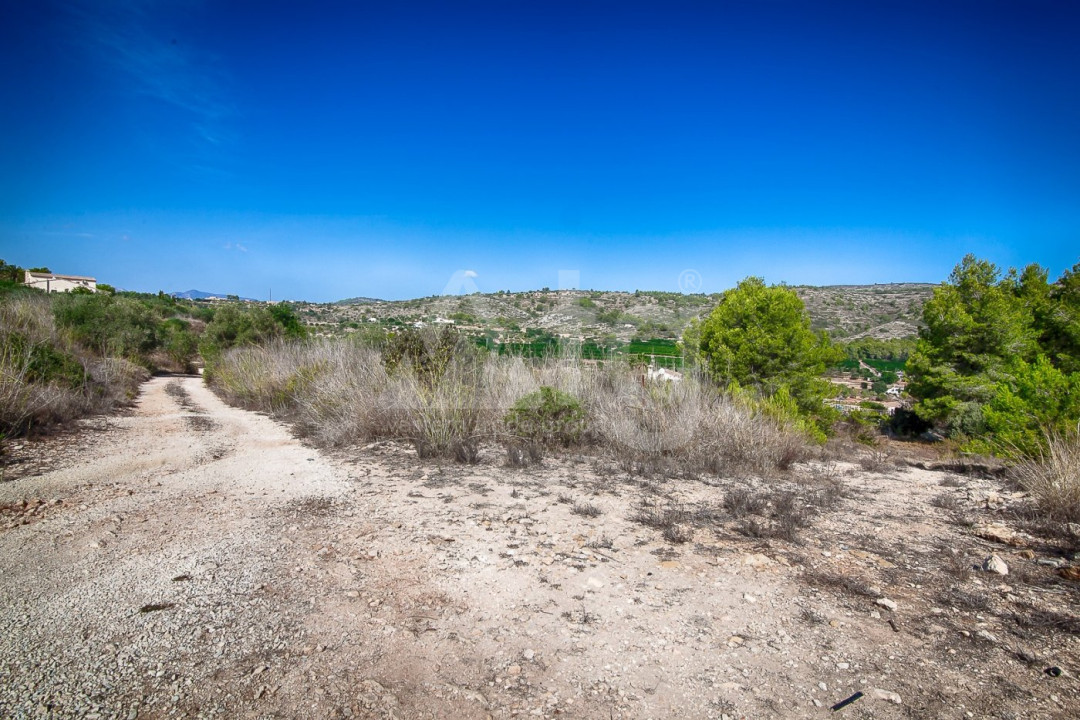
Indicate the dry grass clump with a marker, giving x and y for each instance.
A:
(585, 509)
(271, 377)
(686, 428)
(45, 378)
(24, 326)
(447, 399)
(1053, 478)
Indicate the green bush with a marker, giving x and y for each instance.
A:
(996, 365)
(759, 338)
(10, 273)
(547, 417)
(235, 325)
(179, 343)
(427, 352)
(109, 325)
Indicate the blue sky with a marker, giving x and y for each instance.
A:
(328, 150)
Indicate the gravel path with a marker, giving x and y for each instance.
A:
(150, 586)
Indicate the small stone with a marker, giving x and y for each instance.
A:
(886, 695)
(823, 687)
(842, 665)
(995, 564)
(986, 636)
(999, 533)
(513, 670)
(758, 561)
(1070, 573)
(749, 598)
(886, 603)
(529, 654)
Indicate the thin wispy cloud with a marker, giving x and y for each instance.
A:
(236, 246)
(127, 36)
(67, 233)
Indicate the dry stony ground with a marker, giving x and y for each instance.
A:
(195, 560)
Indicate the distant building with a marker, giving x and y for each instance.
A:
(655, 373)
(51, 282)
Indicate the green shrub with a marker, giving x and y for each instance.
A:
(907, 423)
(180, 343)
(760, 338)
(235, 325)
(10, 273)
(427, 352)
(547, 417)
(109, 325)
(996, 365)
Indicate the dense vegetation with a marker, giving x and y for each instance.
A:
(436, 390)
(63, 355)
(998, 364)
(759, 339)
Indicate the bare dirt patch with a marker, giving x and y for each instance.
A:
(221, 568)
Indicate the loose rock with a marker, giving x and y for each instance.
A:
(995, 564)
(887, 695)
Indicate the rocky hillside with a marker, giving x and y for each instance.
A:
(846, 311)
(878, 311)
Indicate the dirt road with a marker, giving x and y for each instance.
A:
(195, 560)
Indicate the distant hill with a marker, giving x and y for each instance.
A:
(847, 312)
(357, 301)
(200, 295)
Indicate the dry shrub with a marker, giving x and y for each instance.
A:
(742, 501)
(114, 381)
(45, 378)
(1053, 478)
(524, 454)
(350, 399)
(442, 419)
(341, 392)
(270, 377)
(685, 428)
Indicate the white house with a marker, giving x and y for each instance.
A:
(51, 282)
(655, 373)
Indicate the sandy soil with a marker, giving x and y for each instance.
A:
(195, 560)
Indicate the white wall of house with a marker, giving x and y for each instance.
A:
(51, 282)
